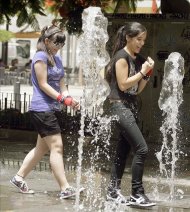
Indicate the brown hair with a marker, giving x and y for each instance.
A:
(131, 29)
(53, 33)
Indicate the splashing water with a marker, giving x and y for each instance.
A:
(169, 102)
(93, 58)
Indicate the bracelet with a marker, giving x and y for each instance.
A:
(142, 74)
(144, 77)
(60, 98)
(147, 78)
(67, 100)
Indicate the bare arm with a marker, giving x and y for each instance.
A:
(125, 82)
(41, 74)
(64, 90)
(142, 83)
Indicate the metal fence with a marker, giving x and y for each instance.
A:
(14, 114)
(20, 102)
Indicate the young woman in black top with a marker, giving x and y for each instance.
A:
(128, 74)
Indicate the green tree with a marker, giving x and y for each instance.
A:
(25, 10)
(131, 5)
(5, 35)
(71, 10)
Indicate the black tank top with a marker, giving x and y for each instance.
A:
(134, 65)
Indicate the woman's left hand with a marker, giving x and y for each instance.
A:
(75, 104)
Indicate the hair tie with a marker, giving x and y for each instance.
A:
(44, 30)
(55, 23)
(122, 28)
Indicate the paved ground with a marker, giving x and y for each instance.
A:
(45, 198)
(95, 182)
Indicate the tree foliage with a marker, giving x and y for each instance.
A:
(25, 10)
(70, 11)
(5, 35)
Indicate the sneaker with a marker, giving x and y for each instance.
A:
(21, 185)
(117, 198)
(69, 192)
(141, 200)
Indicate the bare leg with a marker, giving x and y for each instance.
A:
(55, 145)
(33, 157)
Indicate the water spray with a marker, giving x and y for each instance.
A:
(169, 102)
(93, 58)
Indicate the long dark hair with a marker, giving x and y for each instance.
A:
(53, 33)
(131, 29)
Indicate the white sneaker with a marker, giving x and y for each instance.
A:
(69, 192)
(141, 200)
(21, 185)
(117, 198)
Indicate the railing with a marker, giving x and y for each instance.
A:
(20, 102)
(14, 114)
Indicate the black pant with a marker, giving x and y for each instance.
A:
(129, 136)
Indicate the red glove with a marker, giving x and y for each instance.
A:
(68, 101)
(149, 73)
(65, 100)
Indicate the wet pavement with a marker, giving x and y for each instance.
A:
(95, 178)
(95, 181)
(46, 189)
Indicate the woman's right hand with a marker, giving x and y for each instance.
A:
(147, 65)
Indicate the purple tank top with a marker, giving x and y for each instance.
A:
(40, 100)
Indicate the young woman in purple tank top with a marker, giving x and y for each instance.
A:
(49, 93)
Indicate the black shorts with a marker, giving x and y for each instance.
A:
(45, 123)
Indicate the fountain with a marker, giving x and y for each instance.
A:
(169, 102)
(93, 58)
